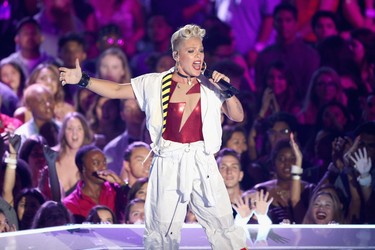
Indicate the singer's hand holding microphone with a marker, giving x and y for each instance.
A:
(227, 89)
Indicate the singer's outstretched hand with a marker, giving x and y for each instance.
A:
(70, 76)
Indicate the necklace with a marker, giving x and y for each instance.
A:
(187, 77)
(282, 193)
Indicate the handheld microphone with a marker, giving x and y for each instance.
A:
(222, 83)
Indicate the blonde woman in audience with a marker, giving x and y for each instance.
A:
(113, 65)
(324, 208)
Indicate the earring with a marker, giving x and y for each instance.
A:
(204, 67)
(176, 67)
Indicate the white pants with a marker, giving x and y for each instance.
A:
(183, 174)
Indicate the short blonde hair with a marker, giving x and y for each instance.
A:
(186, 32)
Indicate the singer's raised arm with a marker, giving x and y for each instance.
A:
(232, 107)
(102, 87)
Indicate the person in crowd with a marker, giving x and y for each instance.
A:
(363, 46)
(48, 75)
(279, 93)
(325, 207)
(235, 137)
(26, 204)
(263, 137)
(306, 10)
(113, 65)
(70, 47)
(290, 49)
(12, 75)
(74, 134)
(135, 212)
(26, 201)
(335, 53)
(15, 174)
(39, 100)
(324, 24)
(101, 214)
(139, 189)
(29, 52)
(290, 195)
(98, 185)
(352, 163)
(8, 100)
(84, 98)
(31, 152)
(196, 139)
(134, 118)
(105, 120)
(333, 120)
(230, 168)
(368, 113)
(52, 214)
(324, 87)
(136, 162)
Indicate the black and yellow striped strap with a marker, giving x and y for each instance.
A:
(165, 94)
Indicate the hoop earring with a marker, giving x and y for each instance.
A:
(204, 67)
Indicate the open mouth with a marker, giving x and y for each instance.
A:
(321, 215)
(197, 65)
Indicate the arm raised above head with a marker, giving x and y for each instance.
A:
(104, 88)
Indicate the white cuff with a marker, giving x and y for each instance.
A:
(239, 221)
(263, 219)
(296, 170)
(11, 161)
(366, 181)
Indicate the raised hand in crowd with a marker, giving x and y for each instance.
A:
(10, 172)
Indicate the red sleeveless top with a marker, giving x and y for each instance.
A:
(191, 131)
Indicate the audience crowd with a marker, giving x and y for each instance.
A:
(306, 74)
